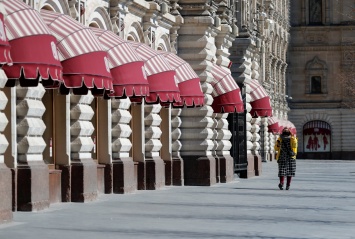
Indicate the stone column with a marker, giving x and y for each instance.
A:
(32, 172)
(166, 141)
(274, 83)
(154, 165)
(215, 144)
(121, 171)
(226, 163)
(265, 139)
(178, 163)
(83, 167)
(196, 46)
(5, 172)
(249, 138)
(171, 146)
(242, 70)
(256, 123)
(272, 140)
(285, 107)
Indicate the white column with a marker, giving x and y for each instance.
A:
(3, 119)
(30, 126)
(121, 130)
(223, 138)
(152, 133)
(81, 128)
(176, 132)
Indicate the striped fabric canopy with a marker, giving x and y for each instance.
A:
(126, 67)
(85, 63)
(33, 49)
(188, 81)
(5, 57)
(260, 100)
(273, 125)
(226, 93)
(161, 76)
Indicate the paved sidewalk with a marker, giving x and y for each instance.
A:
(320, 204)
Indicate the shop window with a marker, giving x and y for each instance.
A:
(315, 12)
(316, 136)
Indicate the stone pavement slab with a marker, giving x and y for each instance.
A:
(320, 204)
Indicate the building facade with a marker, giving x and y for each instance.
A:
(320, 77)
(70, 130)
(259, 53)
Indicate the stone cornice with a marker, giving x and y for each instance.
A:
(323, 28)
(167, 20)
(138, 8)
(315, 48)
(200, 8)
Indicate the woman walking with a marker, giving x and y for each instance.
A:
(286, 147)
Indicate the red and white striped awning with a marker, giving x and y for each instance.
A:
(33, 48)
(5, 57)
(161, 76)
(188, 81)
(226, 93)
(85, 63)
(260, 100)
(273, 125)
(127, 69)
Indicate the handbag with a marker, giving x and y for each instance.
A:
(291, 153)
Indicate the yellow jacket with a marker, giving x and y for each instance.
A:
(294, 145)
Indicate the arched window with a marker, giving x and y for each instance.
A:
(315, 12)
(316, 136)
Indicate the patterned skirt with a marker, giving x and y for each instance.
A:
(287, 165)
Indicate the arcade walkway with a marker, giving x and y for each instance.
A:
(320, 204)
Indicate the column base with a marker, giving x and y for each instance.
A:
(55, 188)
(151, 174)
(174, 172)
(79, 181)
(65, 182)
(251, 166)
(120, 176)
(271, 157)
(168, 172)
(199, 171)
(83, 180)
(257, 165)
(32, 186)
(6, 214)
(100, 178)
(226, 168)
(218, 169)
(178, 172)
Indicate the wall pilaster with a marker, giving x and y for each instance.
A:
(32, 172)
(83, 167)
(154, 165)
(197, 47)
(5, 173)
